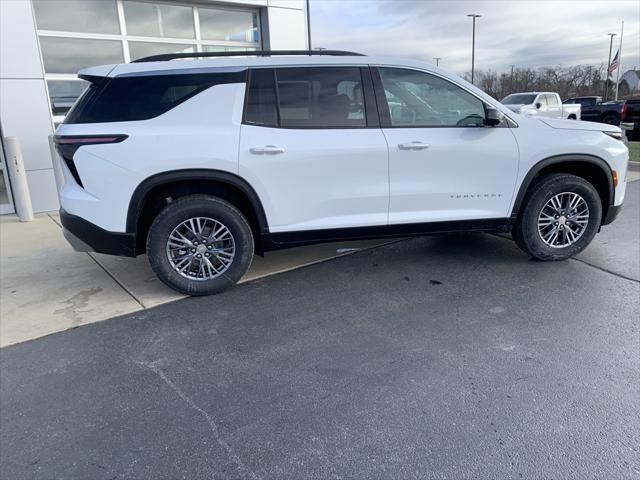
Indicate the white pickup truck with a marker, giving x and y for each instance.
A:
(546, 104)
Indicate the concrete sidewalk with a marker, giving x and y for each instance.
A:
(46, 287)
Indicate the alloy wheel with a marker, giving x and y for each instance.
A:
(563, 220)
(201, 248)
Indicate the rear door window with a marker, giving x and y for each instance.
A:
(323, 97)
(307, 97)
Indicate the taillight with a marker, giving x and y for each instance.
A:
(67, 145)
(623, 113)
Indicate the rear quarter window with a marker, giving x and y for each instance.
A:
(125, 99)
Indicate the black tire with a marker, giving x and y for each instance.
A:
(611, 119)
(208, 207)
(525, 231)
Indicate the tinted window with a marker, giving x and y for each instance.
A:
(418, 99)
(261, 100)
(587, 101)
(325, 97)
(140, 98)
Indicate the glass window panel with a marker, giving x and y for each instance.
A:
(261, 108)
(418, 99)
(64, 93)
(4, 196)
(68, 55)
(219, 48)
(126, 99)
(229, 25)
(89, 16)
(146, 49)
(326, 97)
(158, 20)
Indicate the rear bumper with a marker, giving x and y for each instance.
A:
(84, 236)
(612, 213)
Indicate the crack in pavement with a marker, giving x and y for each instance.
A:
(602, 269)
(212, 424)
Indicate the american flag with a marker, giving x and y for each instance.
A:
(614, 64)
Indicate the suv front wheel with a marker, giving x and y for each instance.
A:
(559, 218)
(200, 245)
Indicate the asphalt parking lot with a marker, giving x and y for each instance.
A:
(444, 357)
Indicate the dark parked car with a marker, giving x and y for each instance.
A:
(631, 119)
(594, 110)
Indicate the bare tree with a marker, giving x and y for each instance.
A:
(567, 81)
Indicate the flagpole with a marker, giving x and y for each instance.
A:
(605, 94)
(619, 61)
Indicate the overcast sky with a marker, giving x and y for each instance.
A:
(521, 32)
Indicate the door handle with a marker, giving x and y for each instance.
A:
(267, 149)
(413, 146)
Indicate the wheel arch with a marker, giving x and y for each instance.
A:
(611, 113)
(593, 169)
(153, 193)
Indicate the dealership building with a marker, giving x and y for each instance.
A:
(45, 42)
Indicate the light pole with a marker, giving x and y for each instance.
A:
(473, 44)
(437, 59)
(606, 79)
(308, 25)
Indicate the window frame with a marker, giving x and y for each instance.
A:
(385, 114)
(371, 115)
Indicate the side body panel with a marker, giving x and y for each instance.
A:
(323, 178)
(464, 174)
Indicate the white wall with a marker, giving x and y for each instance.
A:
(24, 106)
(287, 27)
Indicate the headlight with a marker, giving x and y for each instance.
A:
(616, 135)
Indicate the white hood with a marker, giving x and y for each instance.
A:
(578, 125)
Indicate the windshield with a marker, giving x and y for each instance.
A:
(519, 99)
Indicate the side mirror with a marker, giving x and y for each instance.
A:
(493, 116)
(538, 105)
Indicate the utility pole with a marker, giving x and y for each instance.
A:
(308, 25)
(606, 78)
(437, 59)
(473, 44)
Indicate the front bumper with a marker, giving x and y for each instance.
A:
(612, 213)
(84, 236)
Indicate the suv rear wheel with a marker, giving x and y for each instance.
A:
(200, 245)
(559, 218)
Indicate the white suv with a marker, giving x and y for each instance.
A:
(201, 163)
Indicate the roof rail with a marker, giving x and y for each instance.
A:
(257, 53)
